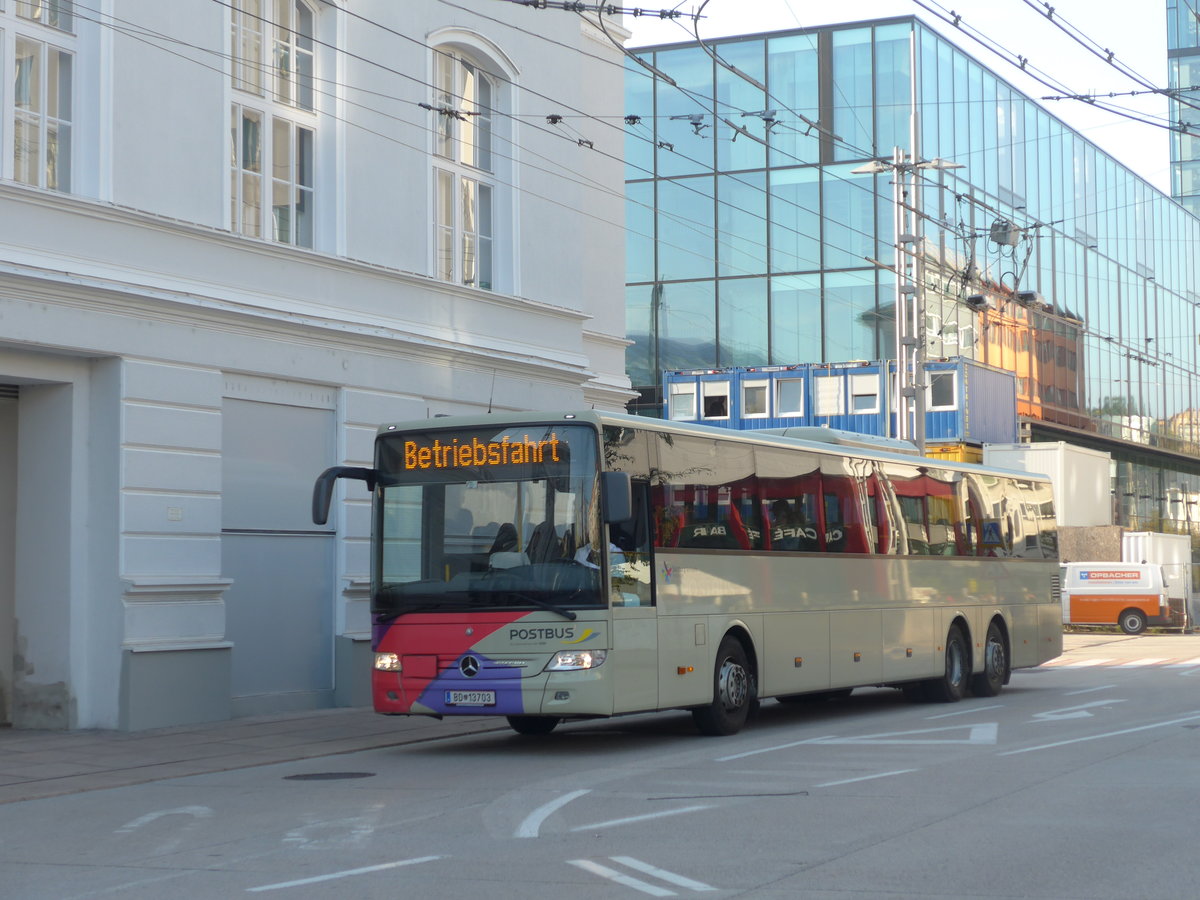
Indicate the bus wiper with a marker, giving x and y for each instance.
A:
(542, 604)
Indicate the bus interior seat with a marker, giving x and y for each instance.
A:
(506, 539)
(543, 543)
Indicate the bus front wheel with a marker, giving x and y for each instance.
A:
(953, 684)
(733, 690)
(995, 665)
(532, 724)
(1132, 621)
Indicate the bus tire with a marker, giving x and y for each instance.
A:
(995, 664)
(532, 724)
(952, 686)
(1132, 621)
(733, 688)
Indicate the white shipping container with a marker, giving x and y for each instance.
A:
(1081, 477)
(1173, 552)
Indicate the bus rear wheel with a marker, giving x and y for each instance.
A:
(733, 690)
(532, 724)
(1132, 621)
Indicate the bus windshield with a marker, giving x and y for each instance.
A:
(487, 519)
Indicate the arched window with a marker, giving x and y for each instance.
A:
(468, 193)
(272, 121)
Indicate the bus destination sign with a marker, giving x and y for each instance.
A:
(518, 453)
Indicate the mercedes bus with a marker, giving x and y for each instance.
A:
(555, 566)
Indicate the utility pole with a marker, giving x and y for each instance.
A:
(908, 267)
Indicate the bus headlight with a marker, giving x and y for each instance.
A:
(574, 660)
(387, 662)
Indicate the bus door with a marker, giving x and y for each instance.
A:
(630, 579)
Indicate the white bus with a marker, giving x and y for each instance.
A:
(546, 567)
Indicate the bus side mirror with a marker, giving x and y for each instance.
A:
(616, 496)
(323, 489)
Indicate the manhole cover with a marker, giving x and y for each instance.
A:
(328, 776)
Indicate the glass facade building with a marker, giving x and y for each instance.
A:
(1183, 60)
(755, 238)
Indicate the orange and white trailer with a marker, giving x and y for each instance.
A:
(1131, 595)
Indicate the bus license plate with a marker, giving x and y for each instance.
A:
(470, 698)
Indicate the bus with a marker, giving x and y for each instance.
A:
(556, 566)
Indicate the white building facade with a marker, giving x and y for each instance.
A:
(234, 238)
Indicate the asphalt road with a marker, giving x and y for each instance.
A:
(1078, 781)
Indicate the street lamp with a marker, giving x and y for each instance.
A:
(910, 298)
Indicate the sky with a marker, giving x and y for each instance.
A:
(1133, 30)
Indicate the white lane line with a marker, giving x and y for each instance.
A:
(533, 821)
(1138, 663)
(655, 815)
(346, 874)
(1096, 737)
(663, 874)
(1103, 687)
(867, 777)
(966, 712)
(628, 880)
(773, 749)
(1186, 664)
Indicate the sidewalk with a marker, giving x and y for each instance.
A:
(36, 764)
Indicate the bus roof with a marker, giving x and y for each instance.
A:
(777, 438)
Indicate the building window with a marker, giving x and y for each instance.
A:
(272, 139)
(789, 397)
(273, 47)
(42, 115)
(287, 191)
(464, 98)
(682, 402)
(830, 395)
(864, 393)
(716, 399)
(54, 13)
(754, 400)
(463, 229)
(942, 390)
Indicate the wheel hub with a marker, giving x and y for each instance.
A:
(733, 685)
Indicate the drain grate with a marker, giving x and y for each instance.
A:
(328, 776)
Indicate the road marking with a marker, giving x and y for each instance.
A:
(1138, 663)
(1096, 737)
(662, 873)
(196, 812)
(344, 874)
(643, 818)
(1103, 687)
(646, 869)
(533, 821)
(1073, 712)
(867, 777)
(983, 733)
(1085, 663)
(1185, 664)
(771, 749)
(627, 880)
(966, 712)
